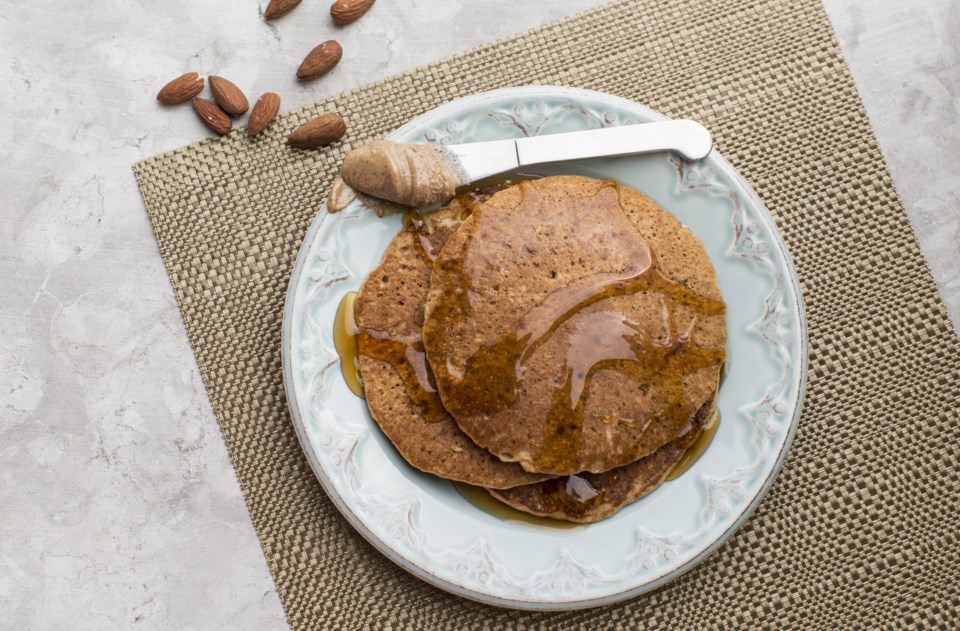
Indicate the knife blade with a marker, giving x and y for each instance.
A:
(478, 160)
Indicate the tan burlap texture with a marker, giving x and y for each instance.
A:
(861, 529)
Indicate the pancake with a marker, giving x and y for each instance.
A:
(573, 325)
(397, 381)
(590, 497)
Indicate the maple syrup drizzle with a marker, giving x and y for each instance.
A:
(698, 448)
(406, 355)
(480, 498)
(345, 340)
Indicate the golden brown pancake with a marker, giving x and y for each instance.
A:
(397, 382)
(573, 325)
(590, 497)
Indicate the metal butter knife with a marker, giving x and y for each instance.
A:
(478, 160)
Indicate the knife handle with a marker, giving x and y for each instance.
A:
(687, 137)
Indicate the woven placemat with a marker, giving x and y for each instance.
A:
(860, 529)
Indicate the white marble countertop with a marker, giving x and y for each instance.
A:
(120, 505)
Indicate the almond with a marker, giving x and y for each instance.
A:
(279, 8)
(228, 96)
(347, 11)
(318, 132)
(212, 116)
(181, 89)
(340, 196)
(320, 60)
(264, 111)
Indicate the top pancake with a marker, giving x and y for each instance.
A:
(397, 382)
(573, 325)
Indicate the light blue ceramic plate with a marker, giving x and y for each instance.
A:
(422, 522)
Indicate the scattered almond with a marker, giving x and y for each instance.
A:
(320, 60)
(279, 8)
(264, 111)
(347, 11)
(341, 194)
(212, 116)
(228, 96)
(181, 89)
(319, 132)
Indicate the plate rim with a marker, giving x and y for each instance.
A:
(424, 573)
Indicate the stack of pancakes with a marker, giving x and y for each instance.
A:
(557, 342)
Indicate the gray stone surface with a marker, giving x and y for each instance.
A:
(905, 58)
(120, 508)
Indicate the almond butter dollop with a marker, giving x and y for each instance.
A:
(411, 175)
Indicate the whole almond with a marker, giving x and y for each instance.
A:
(181, 89)
(212, 116)
(318, 132)
(279, 8)
(320, 60)
(347, 11)
(264, 111)
(228, 96)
